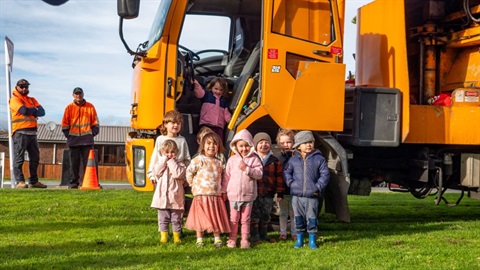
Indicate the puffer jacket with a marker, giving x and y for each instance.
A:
(307, 177)
(241, 186)
(214, 110)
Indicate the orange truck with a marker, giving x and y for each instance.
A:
(412, 120)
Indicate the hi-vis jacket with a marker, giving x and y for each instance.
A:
(80, 124)
(24, 111)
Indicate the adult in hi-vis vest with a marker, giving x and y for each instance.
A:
(79, 124)
(24, 111)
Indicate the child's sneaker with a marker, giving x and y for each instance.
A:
(283, 237)
(200, 243)
(231, 243)
(294, 236)
(244, 244)
(218, 244)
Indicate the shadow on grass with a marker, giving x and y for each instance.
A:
(391, 214)
(45, 227)
(118, 254)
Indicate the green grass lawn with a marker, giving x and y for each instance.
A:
(116, 229)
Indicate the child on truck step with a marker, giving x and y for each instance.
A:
(214, 112)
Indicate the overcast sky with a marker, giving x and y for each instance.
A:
(58, 48)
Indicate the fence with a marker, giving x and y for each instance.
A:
(54, 171)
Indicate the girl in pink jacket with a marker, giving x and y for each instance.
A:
(169, 175)
(214, 112)
(243, 170)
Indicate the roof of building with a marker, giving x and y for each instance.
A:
(107, 135)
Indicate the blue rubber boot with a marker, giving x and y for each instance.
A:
(311, 241)
(299, 242)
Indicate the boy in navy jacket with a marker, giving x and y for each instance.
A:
(307, 175)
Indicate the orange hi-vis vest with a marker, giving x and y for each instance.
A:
(79, 119)
(20, 121)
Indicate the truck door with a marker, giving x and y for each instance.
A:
(155, 77)
(303, 80)
(302, 74)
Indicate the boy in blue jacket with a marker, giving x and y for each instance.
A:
(307, 175)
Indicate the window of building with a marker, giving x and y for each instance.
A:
(111, 155)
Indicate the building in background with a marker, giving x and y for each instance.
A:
(109, 144)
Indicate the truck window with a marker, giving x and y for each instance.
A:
(307, 20)
(201, 32)
(159, 22)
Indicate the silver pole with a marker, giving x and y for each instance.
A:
(8, 70)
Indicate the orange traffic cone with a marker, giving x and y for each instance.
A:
(90, 178)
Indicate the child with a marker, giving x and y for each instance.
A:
(214, 112)
(168, 197)
(240, 183)
(202, 132)
(271, 183)
(285, 142)
(307, 175)
(204, 174)
(170, 129)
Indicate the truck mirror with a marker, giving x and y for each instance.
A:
(55, 2)
(128, 9)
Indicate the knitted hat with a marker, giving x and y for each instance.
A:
(261, 136)
(303, 137)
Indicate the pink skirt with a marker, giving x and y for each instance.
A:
(208, 213)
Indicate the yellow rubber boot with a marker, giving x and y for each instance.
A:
(163, 237)
(176, 238)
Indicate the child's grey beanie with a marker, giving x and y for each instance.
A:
(261, 136)
(303, 137)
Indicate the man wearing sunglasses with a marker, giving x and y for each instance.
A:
(25, 110)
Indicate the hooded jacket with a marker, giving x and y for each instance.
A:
(169, 192)
(241, 186)
(307, 177)
(24, 111)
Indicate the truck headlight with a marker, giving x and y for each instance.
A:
(139, 173)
